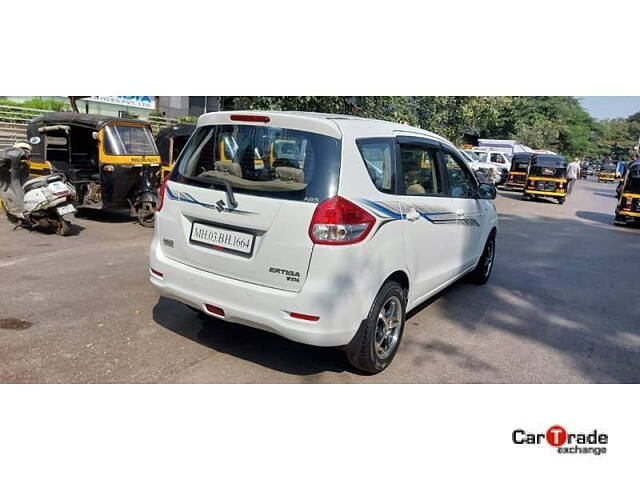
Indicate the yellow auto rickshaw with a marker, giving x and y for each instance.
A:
(546, 177)
(170, 141)
(517, 178)
(607, 173)
(112, 162)
(628, 207)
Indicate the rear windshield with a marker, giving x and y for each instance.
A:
(633, 185)
(552, 162)
(264, 161)
(482, 156)
(128, 140)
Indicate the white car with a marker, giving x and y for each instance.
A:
(485, 171)
(330, 243)
(501, 161)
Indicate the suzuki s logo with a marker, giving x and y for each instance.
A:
(220, 205)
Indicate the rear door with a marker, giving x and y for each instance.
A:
(429, 223)
(276, 175)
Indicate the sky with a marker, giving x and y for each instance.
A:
(610, 107)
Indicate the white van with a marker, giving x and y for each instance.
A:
(325, 229)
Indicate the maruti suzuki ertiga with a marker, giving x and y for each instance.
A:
(325, 229)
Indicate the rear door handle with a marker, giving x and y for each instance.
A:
(412, 215)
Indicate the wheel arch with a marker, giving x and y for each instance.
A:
(401, 277)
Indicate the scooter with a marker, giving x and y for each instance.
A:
(47, 202)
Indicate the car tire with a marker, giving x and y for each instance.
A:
(480, 275)
(526, 197)
(379, 336)
(561, 200)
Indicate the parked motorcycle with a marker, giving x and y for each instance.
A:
(47, 201)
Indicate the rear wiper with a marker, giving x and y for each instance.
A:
(217, 181)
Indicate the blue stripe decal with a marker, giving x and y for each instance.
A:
(383, 209)
(432, 217)
(187, 198)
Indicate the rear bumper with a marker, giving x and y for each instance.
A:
(265, 308)
(543, 193)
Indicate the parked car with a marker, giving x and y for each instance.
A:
(331, 247)
(485, 171)
(499, 159)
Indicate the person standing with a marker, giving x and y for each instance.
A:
(573, 171)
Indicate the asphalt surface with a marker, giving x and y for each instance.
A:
(562, 306)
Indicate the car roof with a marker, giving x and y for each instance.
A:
(335, 125)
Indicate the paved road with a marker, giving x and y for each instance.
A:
(562, 306)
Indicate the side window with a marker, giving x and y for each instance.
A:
(460, 183)
(377, 156)
(419, 170)
(497, 158)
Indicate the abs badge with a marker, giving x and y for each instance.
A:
(556, 436)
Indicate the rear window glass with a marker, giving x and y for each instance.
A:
(263, 161)
(633, 185)
(553, 162)
(376, 153)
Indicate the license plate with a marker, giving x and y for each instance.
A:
(66, 209)
(222, 238)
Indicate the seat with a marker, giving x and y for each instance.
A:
(228, 167)
(41, 182)
(290, 174)
(416, 189)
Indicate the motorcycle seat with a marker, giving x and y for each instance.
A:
(41, 181)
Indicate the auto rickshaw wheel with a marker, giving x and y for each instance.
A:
(146, 214)
(561, 200)
(619, 220)
(63, 227)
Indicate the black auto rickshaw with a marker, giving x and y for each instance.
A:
(170, 141)
(546, 177)
(517, 178)
(607, 173)
(112, 162)
(628, 208)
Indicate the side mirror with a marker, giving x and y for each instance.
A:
(487, 191)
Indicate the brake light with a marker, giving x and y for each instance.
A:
(337, 221)
(161, 191)
(250, 118)
(627, 203)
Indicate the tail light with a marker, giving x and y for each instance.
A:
(161, 192)
(627, 203)
(338, 221)
(532, 184)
